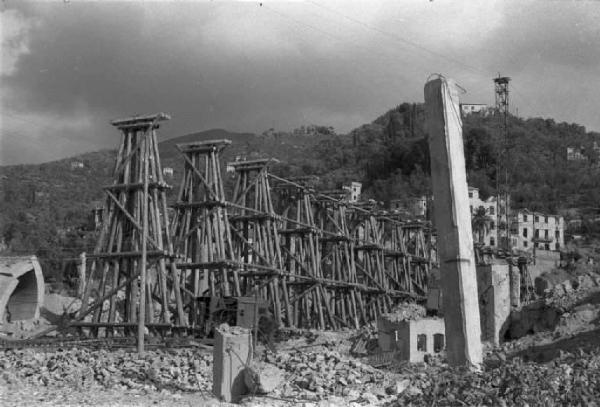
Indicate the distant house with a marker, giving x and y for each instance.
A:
(539, 230)
(490, 205)
(575, 154)
(76, 165)
(414, 206)
(470, 108)
(167, 171)
(353, 191)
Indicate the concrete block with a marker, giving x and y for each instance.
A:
(263, 378)
(493, 284)
(231, 353)
(411, 340)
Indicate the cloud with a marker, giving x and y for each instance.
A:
(30, 137)
(15, 39)
(247, 68)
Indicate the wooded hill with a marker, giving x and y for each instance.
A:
(44, 209)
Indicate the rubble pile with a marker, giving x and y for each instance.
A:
(406, 312)
(570, 379)
(325, 374)
(176, 370)
(568, 293)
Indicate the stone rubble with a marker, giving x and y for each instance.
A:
(176, 370)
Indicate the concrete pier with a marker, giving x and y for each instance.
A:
(232, 352)
(452, 220)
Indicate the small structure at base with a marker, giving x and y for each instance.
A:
(231, 354)
(21, 288)
(493, 283)
(411, 340)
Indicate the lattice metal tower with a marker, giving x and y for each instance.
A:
(502, 107)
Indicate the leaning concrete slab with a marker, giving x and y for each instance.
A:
(231, 354)
(21, 288)
(452, 220)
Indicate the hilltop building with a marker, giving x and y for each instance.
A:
(167, 171)
(578, 153)
(353, 191)
(76, 165)
(470, 108)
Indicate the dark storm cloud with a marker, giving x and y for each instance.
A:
(247, 68)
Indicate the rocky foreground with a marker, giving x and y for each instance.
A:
(313, 375)
(555, 362)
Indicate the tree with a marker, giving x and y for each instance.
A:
(481, 222)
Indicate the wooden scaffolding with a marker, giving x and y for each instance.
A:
(253, 224)
(307, 287)
(128, 277)
(202, 234)
(337, 259)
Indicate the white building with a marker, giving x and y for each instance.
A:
(575, 154)
(76, 164)
(546, 232)
(167, 171)
(353, 191)
(490, 205)
(470, 108)
(415, 206)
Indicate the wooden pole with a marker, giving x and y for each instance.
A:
(452, 220)
(142, 296)
(81, 285)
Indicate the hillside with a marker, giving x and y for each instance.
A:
(45, 209)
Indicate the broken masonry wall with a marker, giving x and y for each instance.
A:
(493, 285)
(21, 288)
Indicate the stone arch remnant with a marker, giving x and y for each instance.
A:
(21, 288)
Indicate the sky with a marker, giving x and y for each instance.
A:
(68, 67)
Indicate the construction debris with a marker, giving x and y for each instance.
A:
(80, 368)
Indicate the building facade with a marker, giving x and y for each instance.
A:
(415, 206)
(488, 233)
(539, 230)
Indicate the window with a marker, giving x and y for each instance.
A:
(492, 225)
(537, 218)
(537, 233)
(545, 219)
(438, 343)
(557, 246)
(546, 233)
(524, 232)
(547, 246)
(422, 342)
(470, 195)
(525, 243)
(524, 218)
(492, 210)
(492, 241)
(557, 234)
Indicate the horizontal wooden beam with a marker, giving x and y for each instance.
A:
(137, 185)
(140, 120)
